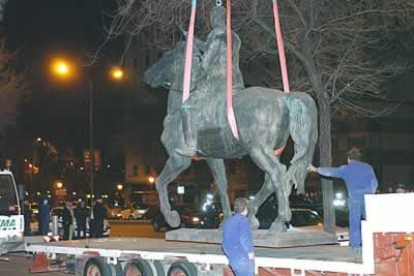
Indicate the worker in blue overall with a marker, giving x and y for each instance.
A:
(44, 215)
(237, 240)
(360, 180)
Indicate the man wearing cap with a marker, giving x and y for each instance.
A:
(360, 180)
(237, 240)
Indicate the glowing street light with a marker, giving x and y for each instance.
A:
(119, 186)
(60, 67)
(117, 73)
(59, 185)
(151, 179)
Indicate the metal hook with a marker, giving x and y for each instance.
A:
(219, 3)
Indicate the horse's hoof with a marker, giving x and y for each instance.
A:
(278, 227)
(254, 222)
(173, 219)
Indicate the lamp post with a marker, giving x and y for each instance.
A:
(91, 146)
(63, 68)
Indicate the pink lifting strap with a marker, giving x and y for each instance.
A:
(230, 112)
(281, 48)
(189, 52)
(282, 58)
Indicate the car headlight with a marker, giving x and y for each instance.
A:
(339, 202)
(195, 219)
(142, 211)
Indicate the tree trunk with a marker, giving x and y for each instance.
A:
(326, 161)
(325, 157)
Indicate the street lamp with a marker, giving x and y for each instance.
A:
(119, 186)
(151, 179)
(61, 67)
(117, 73)
(59, 185)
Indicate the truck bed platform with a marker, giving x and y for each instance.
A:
(333, 258)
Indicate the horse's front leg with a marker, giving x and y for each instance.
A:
(173, 167)
(219, 173)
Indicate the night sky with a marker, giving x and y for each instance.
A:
(42, 29)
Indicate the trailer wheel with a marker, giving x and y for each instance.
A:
(182, 269)
(138, 267)
(95, 267)
(116, 270)
(158, 268)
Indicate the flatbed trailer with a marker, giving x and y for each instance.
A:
(387, 251)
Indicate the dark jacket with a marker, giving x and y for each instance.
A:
(81, 215)
(99, 213)
(67, 218)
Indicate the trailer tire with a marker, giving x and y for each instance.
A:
(182, 269)
(138, 267)
(116, 270)
(95, 267)
(158, 268)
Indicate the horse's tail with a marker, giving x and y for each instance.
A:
(303, 126)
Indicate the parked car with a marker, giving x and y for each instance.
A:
(136, 212)
(114, 212)
(190, 218)
(306, 220)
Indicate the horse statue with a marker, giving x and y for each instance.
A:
(265, 119)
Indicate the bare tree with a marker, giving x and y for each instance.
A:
(341, 51)
(13, 90)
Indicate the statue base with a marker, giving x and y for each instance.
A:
(262, 238)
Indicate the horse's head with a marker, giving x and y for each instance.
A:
(169, 69)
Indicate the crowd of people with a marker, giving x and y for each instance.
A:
(76, 218)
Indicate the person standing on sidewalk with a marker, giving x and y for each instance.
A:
(67, 221)
(81, 216)
(99, 215)
(237, 240)
(27, 218)
(360, 180)
(44, 215)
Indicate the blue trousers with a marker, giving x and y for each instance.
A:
(356, 206)
(242, 267)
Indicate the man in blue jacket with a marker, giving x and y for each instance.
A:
(360, 180)
(237, 240)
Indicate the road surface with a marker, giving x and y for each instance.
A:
(132, 228)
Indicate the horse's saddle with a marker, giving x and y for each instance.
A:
(214, 137)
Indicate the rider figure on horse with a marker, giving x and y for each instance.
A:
(213, 66)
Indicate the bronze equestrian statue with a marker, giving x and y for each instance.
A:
(265, 119)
